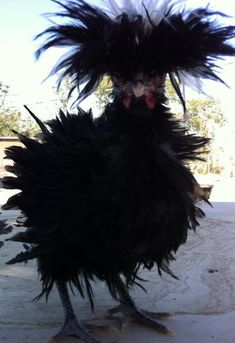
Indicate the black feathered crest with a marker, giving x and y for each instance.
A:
(123, 38)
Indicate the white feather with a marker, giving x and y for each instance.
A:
(195, 83)
(157, 9)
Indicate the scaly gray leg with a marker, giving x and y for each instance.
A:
(130, 312)
(71, 325)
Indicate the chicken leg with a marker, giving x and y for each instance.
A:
(71, 325)
(130, 312)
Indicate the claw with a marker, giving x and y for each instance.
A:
(144, 317)
(73, 328)
(108, 314)
(95, 328)
(158, 315)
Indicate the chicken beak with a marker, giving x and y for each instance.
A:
(139, 89)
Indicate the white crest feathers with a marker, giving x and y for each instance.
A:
(156, 9)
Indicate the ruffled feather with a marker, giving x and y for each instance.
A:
(102, 197)
(124, 38)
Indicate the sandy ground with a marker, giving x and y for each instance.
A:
(203, 299)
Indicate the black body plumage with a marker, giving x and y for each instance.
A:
(101, 197)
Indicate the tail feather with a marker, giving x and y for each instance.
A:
(5, 227)
(38, 121)
(29, 254)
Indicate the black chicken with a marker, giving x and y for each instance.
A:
(102, 197)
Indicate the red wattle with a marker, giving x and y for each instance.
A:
(150, 101)
(128, 101)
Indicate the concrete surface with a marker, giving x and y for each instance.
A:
(203, 300)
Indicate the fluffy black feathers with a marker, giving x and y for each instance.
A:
(103, 196)
(182, 43)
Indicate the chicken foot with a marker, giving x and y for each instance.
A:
(130, 312)
(71, 325)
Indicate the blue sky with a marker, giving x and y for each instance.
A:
(21, 20)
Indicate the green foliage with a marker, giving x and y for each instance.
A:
(62, 94)
(205, 115)
(205, 118)
(103, 92)
(170, 93)
(11, 119)
(3, 93)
